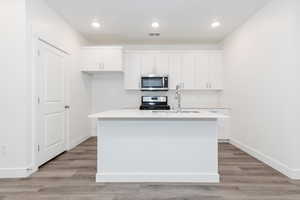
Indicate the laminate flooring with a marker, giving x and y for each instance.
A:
(71, 176)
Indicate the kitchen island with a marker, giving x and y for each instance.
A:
(157, 146)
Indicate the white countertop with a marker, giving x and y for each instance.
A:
(194, 108)
(146, 114)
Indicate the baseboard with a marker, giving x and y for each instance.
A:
(279, 166)
(223, 141)
(149, 177)
(94, 132)
(295, 174)
(75, 143)
(16, 172)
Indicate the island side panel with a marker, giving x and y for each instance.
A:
(157, 150)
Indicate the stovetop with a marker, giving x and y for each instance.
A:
(155, 107)
(154, 103)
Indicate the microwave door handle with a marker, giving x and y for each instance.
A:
(163, 83)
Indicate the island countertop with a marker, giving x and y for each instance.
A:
(146, 114)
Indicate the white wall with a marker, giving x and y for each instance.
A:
(19, 21)
(14, 103)
(294, 87)
(50, 26)
(261, 86)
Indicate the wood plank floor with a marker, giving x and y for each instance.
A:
(71, 176)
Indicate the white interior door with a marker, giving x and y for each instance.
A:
(51, 137)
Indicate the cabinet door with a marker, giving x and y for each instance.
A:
(188, 71)
(162, 64)
(112, 59)
(174, 70)
(132, 71)
(148, 63)
(216, 71)
(105, 59)
(223, 125)
(202, 71)
(90, 59)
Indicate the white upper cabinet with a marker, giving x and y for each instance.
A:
(162, 64)
(188, 71)
(154, 63)
(216, 71)
(175, 63)
(194, 70)
(202, 71)
(132, 71)
(102, 59)
(209, 70)
(148, 64)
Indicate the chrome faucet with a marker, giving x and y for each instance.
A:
(178, 97)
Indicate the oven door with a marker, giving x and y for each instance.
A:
(154, 83)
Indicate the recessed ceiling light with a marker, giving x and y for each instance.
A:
(155, 25)
(215, 24)
(95, 24)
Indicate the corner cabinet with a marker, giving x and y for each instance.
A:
(194, 70)
(101, 59)
(209, 70)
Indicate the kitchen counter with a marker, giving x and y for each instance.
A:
(208, 108)
(146, 146)
(146, 114)
(193, 108)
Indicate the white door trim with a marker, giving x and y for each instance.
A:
(35, 45)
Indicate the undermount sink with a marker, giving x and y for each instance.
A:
(175, 111)
(190, 111)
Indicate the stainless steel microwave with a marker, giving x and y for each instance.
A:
(153, 82)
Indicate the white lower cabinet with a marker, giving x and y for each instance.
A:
(223, 124)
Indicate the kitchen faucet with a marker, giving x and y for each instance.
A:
(178, 97)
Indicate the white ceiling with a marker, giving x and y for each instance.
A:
(181, 21)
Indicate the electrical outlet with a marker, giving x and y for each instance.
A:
(3, 149)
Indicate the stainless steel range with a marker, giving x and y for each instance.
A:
(154, 103)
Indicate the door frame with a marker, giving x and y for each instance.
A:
(36, 40)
